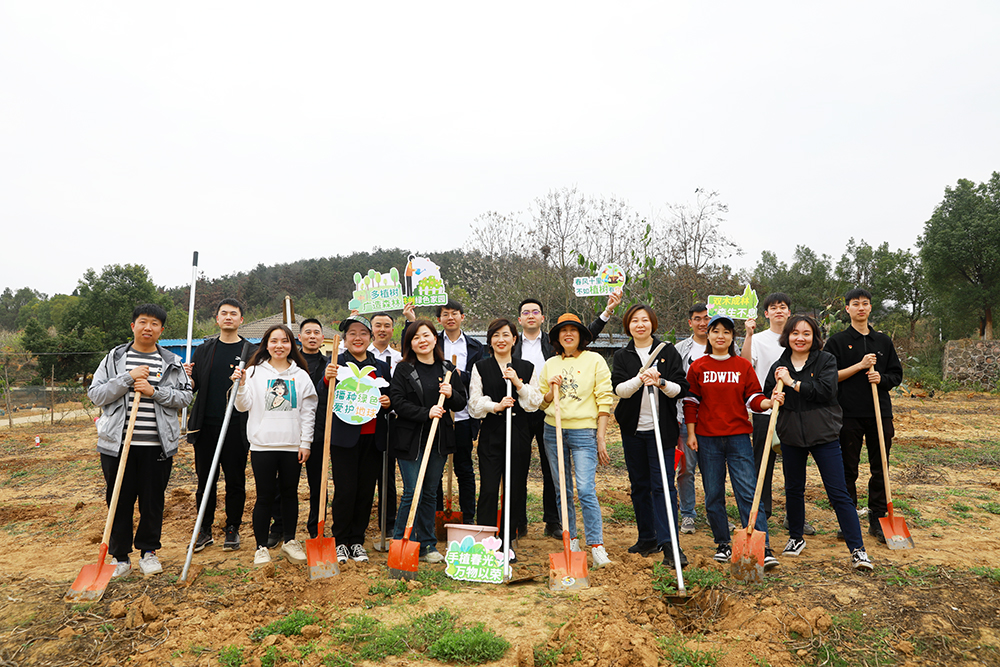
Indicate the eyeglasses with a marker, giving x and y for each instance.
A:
(525, 313)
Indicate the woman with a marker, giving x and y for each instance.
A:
(489, 402)
(723, 385)
(809, 423)
(416, 385)
(354, 458)
(280, 433)
(583, 381)
(635, 418)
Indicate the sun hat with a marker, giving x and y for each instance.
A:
(569, 319)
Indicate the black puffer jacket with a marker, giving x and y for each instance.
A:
(671, 367)
(812, 415)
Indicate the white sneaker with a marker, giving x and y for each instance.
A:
(358, 553)
(574, 544)
(262, 557)
(342, 553)
(121, 567)
(687, 526)
(600, 555)
(433, 556)
(150, 564)
(292, 551)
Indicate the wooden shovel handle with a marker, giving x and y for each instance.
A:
(763, 462)
(562, 465)
(881, 444)
(326, 443)
(423, 464)
(122, 461)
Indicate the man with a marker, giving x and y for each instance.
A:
(762, 350)
(534, 346)
(382, 330)
(157, 375)
(865, 357)
(691, 349)
(209, 369)
(311, 339)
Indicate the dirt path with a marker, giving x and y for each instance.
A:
(936, 604)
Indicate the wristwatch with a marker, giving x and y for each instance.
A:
(663, 383)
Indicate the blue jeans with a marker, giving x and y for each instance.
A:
(830, 463)
(647, 487)
(579, 449)
(423, 523)
(714, 454)
(685, 477)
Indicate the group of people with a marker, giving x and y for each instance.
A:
(703, 390)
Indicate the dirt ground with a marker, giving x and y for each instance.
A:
(935, 604)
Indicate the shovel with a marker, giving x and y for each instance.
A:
(93, 579)
(897, 535)
(505, 504)
(568, 569)
(681, 596)
(446, 516)
(404, 554)
(321, 552)
(748, 544)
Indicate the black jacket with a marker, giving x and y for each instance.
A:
(412, 425)
(203, 357)
(810, 416)
(596, 327)
(671, 366)
(493, 431)
(343, 434)
(855, 393)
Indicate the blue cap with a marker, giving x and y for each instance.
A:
(716, 318)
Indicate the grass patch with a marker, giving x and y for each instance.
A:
(469, 646)
(231, 656)
(665, 579)
(962, 510)
(535, 509)
(291, 624)
(913, 575)
(545, 656)
(823, 504)
(622, 513)
(676, 652)
(991, 573)
(992, 508)
(381, 593)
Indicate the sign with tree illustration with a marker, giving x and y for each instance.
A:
(609, 278)
(421, 285)
(469, 560)
(356, 396)
(739, 307)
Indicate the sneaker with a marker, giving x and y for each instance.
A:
(807, 528)
(122, 567)
(232, 542)
(292, 551)
(204, 540)
(875, 529)
(149, 564)
(687, 526)
(860, 560)
(770, 562)
(522, 531)
(273, 540)
(553, 530)
(600, 556)
(862, 511)
(644, 547)
(262, 557)
(732, 526)
(342, 553)
(723, 553)
(794, 547)
(668, 557)
(574, 544)
(358, 554)
(432, 556)
(840, 536)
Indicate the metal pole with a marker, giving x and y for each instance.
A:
(187, 354)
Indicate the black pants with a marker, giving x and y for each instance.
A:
(550, 513)
(146, 475)
(314, 474)
(355, 470)
(388, 495)
(492, 460)
(465, 473)
(760, 441)
(233, 462)
(852, 433)
(275, 472)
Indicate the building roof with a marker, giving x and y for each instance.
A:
(258, 328)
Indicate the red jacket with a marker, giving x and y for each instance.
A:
(719, 396)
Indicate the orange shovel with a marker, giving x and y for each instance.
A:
(567, 569)
(748, 544)
(897, 535)
(321, 552)
(405, 554)
(93, 579)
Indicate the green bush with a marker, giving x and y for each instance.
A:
(469, 646)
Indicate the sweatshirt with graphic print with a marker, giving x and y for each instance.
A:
(282, 407)
(722, 388)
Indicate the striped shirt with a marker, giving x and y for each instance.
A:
(145, 432)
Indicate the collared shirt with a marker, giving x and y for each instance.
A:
(531, 350)
(764, 351)
(390, 356)
(460, 350)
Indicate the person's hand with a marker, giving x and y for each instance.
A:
(505, 402)
(692, 442)
(355, 312)
(781, 373)
(510, 374)
(410, 312)
(556, 381)
(868, 361)
(139, 372)
(650, 377)
(874, 376)
(750, 325)
(384, 401)
(238, 374)
(614, 298)
(142, 386)
(436, 412)
(445, 389)
(331, 371)
(189, 368)
(303, 455)
(602, 451)
(777, 397)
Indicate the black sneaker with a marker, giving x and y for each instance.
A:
(794, 547)
(723, 553)
(770, 562)
(875, 529)
(807, 528)
(232, 542)
(644, 547)
(273, 540)
(668, 556)
(522, 531)
(553, 530)
(204, 540)
(860, 560)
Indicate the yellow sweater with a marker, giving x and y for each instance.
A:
(585, 391)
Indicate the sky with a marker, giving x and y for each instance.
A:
(266, 133)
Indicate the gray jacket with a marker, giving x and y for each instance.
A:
(112, 382)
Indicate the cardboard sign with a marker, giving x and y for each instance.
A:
(740, 307)
(421, 285)
(469, 560)
(356, 397)
(609, 278)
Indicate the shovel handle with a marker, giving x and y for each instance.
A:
(423, 463)
(122, 461)
(881, 446)
(772, 422)
(564, 514)
(326, 444)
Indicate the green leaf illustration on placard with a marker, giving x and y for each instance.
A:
(356, 419)
(350, 384)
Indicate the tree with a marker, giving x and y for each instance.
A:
(11, 304)
(960, 249)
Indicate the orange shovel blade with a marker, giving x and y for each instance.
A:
(404, 556)
(568, 569)
(321, 556)
(442, 518)
(90, 583)
(897, 535)
(748, 556)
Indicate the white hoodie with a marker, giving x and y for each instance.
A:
(282, 408)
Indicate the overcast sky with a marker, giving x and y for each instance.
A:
(265, 133)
